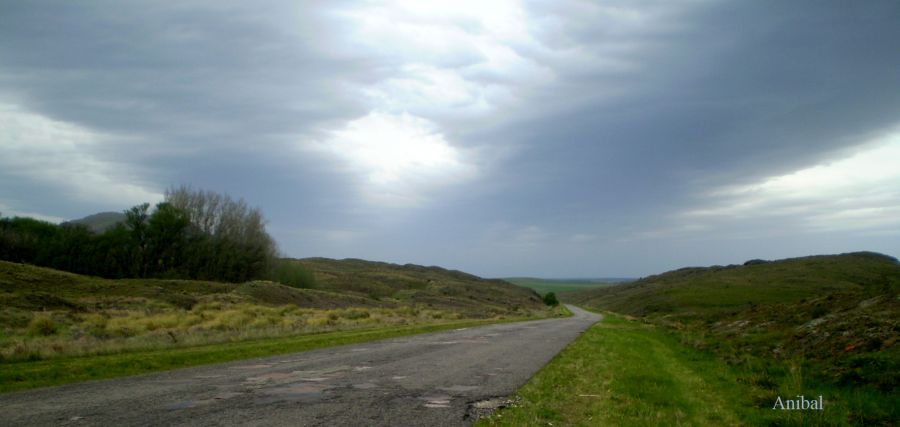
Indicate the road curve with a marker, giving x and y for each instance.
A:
(423, 380)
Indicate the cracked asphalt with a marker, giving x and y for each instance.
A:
(433, 379)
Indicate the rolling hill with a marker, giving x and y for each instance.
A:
(415, 284)
(840, 310)
(340, 283)
(719, 291)
(47, 314)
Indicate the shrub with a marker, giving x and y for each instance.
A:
(550, 299)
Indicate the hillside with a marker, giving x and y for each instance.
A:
(722, 290)
(46, 313)
(841, 310)
(342, 283)
(415, 284)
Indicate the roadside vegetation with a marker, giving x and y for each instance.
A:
(719, 345)
(54, 324)
(625, 373)
(20, 375)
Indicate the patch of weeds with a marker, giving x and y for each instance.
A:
(356, 313)
(42, 325)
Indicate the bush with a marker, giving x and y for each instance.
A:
(550, 299)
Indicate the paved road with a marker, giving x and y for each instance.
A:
(437, 379)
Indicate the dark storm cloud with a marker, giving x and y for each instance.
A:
(198, 92)
(740, 92)
(577, 138)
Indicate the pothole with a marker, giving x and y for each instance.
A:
(459, 388)
(436, 401)
(483, 408)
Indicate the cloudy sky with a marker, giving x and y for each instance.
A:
(557, 139)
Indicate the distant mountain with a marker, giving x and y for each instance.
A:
(100, 222)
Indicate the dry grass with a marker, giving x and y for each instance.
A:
(54, 334)
(48, 314)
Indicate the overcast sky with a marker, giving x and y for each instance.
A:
(556, 139)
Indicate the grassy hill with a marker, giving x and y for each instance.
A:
(426, 286)
(817, 307)
(719, 345)
(718, 290)
(46, 313)
(827, 323)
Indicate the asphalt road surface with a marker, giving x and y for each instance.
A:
(437, 379)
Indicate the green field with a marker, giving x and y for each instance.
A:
(543, 286)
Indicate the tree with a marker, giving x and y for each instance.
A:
(167, 239)
(113, 253)
(192, 235)
(136, 223)
(239, 248)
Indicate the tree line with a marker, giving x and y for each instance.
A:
(192, 234)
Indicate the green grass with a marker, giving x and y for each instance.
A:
(625, 373)
(31, 374)
(542, 286)
(813, 325)
(628, 373)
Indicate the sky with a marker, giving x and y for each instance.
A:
(502, 138)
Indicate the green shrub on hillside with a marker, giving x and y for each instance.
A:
(550, 299)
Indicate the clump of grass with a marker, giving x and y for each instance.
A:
(292, 274)
(95, 324)
(42, 325)
(356, 313)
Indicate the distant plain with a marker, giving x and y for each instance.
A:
(542, 286)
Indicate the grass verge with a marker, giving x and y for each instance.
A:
(627, 373)
(32, 374)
